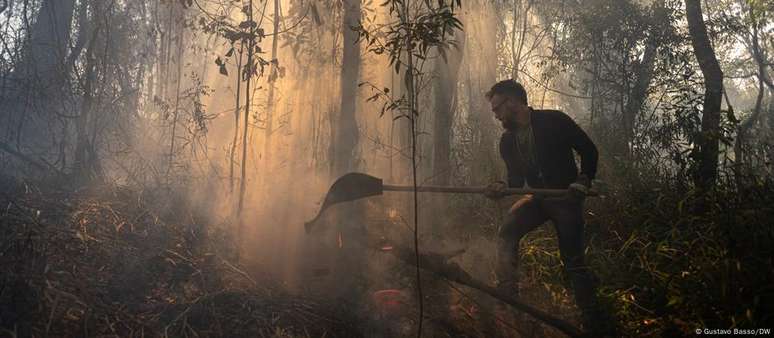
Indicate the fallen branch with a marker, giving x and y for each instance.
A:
(240, 272)
(451, 271)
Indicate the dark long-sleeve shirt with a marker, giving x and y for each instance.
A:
(556, 135)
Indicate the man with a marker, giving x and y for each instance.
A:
(537, 147)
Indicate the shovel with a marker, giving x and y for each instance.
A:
(355, 186)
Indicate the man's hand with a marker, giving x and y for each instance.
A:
(580, 188)
(520, 202)
(495, 190)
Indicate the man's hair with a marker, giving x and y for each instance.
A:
(508, 88)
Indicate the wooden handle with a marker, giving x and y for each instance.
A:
(479, 190)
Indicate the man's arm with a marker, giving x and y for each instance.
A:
(581, 142)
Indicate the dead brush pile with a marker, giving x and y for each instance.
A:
(110, 262)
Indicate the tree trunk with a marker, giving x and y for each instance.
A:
(349, 220)
(85, 163)
(638, 94)
(245, 124)
(516, 52)
(743, 165)
(643, 73)
(179, 78)
(345, 131)
(707, 173)
(482, 74)
(273, 75)
(42, 78)
(445, 101)
(237, 109)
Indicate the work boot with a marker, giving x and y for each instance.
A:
(597, 319)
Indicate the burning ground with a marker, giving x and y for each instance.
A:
(114, 262)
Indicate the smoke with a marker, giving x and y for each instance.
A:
(287, 168)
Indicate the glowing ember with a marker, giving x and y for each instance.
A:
(389, 301)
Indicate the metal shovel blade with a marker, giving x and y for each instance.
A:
(347, 188)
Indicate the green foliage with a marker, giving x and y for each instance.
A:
(429, 29)
(316, 21)
(670, 269)
(664, 268)
(389, 102)
(245, 35)
(410, 38)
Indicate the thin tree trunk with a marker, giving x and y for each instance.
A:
(742, 163)
(517, 52)
(638, 94)
(412, 119)
(243, 176)
(84, 30)
(168, 45)
(273, 75)
(237, 109)
(83, 159)
(713, 84)
(176, 109)
(643, 75)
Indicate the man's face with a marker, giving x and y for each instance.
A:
(506, 109)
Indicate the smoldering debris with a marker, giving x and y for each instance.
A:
(107, 261)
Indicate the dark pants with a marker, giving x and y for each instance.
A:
(567, 216)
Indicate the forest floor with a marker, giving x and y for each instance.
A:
(112, 261)
(109, 261)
